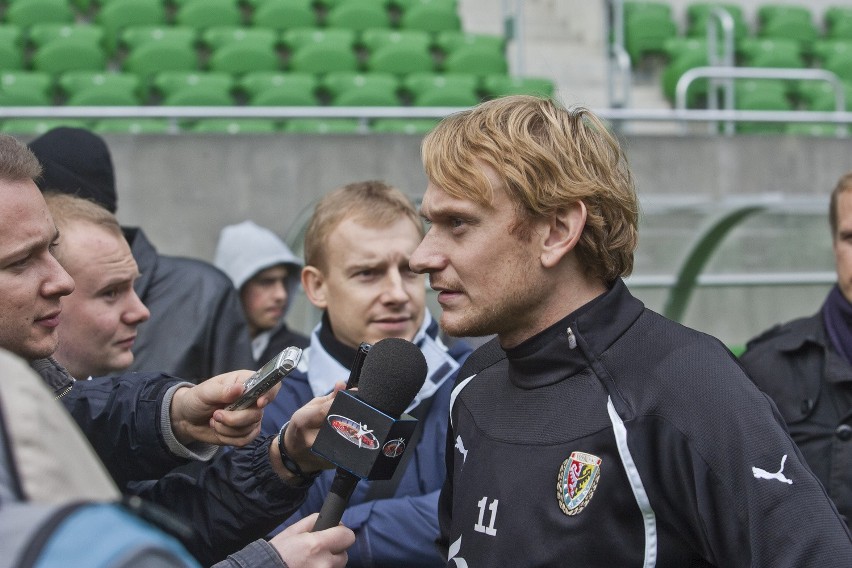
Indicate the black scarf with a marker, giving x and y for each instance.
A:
(837, 315)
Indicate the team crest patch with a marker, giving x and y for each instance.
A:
(578, 478)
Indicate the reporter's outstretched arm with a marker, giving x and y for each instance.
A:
(244, 493)
(198, 413)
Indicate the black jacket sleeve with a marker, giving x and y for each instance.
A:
(120, 416)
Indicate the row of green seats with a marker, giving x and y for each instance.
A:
(240, 50)
(649, 25)
(34, 127)
(435, 15)
(82, 88)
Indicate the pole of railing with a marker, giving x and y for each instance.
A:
(726, 22)
(619, 71)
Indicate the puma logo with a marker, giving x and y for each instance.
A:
(461, 449)
(763, 474)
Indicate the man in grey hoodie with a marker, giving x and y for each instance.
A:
(266, 274)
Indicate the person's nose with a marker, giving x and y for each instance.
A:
(395, 291)
(137, 312)
(57, 282)
(427, 257)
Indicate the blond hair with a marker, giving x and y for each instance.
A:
(17, 162)
(371, 203)
(67, 209)
(547, 158)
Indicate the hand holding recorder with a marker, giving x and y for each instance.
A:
(227, 409)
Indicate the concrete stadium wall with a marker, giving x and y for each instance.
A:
(183, 189)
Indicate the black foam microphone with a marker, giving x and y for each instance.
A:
(363, 434)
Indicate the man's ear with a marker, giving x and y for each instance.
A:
(313, 282)
(562, 233)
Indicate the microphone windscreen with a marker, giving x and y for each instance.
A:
(393, 373)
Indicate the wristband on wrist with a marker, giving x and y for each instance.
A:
(290, 464)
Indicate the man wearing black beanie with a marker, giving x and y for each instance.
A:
(176, 290)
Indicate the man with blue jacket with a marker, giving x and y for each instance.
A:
(357, 246)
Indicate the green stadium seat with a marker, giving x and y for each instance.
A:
(500, 85)
(430, 17)
(32, 83)
(820, 96)
(11, 34)
(38, 126)
(673, 71)
(203, 14)
(376, 38)
(476, 60)
(69, 54)
(197, 96)
(134, 126)
(838, 22)
(219, 36)
(417, 82)
(791, 25)
(25, 88)
(768, 12)
(841, 30)
(824, 49)
(677, 46)
(169, 83)
(296, 38)
(400, 58)
(104, 95)
(358, 15)
(118, 15)
(321, 50)
(771, 52)
(26, 13)
(151, 58)
(134, 36)
(242, 57)
(40, 34)
(235, 126)
(264, 88)
(840, 65)
(322, 126)
(418, 126)
(645, 33)
(74, 83)
(761, 94)
(449, 41)
(403, 5)
(11, 56)
(697, 14)
(284, 15)
(632, 7)
(443, 91)
(361, 89)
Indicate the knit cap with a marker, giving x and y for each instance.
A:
(76, 161)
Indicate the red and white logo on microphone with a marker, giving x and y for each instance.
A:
(353, 431)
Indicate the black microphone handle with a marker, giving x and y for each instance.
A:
(336, 501)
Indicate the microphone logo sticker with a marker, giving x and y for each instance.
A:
(353, 431)
(394, 448)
